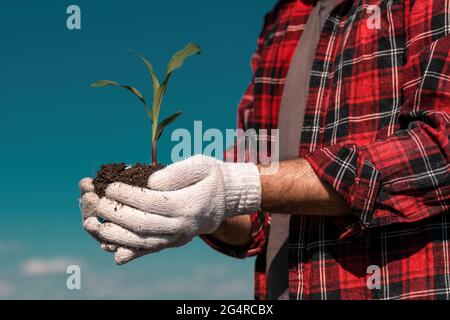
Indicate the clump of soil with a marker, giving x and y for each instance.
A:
(136, 175)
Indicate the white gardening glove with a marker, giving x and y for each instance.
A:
(128, 245)
(186, 199)
(88, 204)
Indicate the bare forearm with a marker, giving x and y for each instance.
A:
(234, 231)
(296, 189)
(293, 189)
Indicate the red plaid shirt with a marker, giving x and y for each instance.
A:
(377, 130)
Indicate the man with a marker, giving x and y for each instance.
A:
(360, 90)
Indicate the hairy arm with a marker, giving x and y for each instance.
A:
(296, 189)
(293, 189)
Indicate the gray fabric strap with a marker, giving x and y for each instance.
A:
(290, 123)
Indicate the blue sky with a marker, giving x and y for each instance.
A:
(55, 129)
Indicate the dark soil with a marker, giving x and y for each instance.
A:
(136, 175)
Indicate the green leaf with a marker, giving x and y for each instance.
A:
(149, 112)
(179, 57)
(175, 63)
(159, 96)
(163, 124)
(106, 83)
(150, 69)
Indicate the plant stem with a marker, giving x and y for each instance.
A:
(154, 158)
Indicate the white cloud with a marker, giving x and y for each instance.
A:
(201, 282)
(7, 289)
(46, 280)
(213, 281)
(47, 266)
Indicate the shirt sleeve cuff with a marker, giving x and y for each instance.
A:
(350, 174)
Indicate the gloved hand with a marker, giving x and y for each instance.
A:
(186, 199)
(88, 205)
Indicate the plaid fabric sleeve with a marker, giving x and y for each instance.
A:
(405, 177)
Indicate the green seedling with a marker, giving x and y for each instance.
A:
(159, 90)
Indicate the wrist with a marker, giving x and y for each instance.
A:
(234, 231)
(243, 188)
